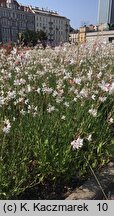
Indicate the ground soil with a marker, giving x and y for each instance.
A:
(110, 194)
(50, 191)
(60, 190)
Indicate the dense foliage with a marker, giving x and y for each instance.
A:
(30, 37)
(56, 108)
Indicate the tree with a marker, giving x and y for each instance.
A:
(30, 37)
(42, 36)
(111, 26)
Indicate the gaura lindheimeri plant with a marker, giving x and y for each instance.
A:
(49, 99)
(76, 144)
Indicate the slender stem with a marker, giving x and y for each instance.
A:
(97, 180)
(2, 147)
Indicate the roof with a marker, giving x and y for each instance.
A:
(48, 12)
(3, 2)
(19, 6)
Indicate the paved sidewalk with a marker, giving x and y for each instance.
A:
(111, 194)
(91, 190)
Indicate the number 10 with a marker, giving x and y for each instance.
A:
(103, 207)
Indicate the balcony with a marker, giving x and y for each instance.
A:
(50, 28)
(50, 23)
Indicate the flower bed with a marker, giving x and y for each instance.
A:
(56, 114)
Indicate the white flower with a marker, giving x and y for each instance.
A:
(23, 112)
(111, 120)
(22, 92)
(21, 99)
(17, 69)
(84, 93)
(75, 99)
(2, 101)
(89, 138)
(47, 90)
(72, 89)
(76, 92)
(50, 108)
(7, 126)
(22, 81)
(63, 117)
(99, 75)
(59, 99)
(96, 92)
(36, 109)
(81, 61)
(102, 99)
(66, 104)
(93, 112)
(93, 97)
(38, 90)
(67, 76)
(60, 92)
(111, 89)
(76, 144)
(104, 86)
(14, 118)
(11, 95)
(77, 80)
(17, 82)
(72, 61)
(55, 93)
(28, 88)
(89, 74)
(26, 101)
(30, 77)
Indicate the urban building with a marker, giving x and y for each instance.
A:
(55, 26)
(14, 19)
(82, 34)
(103, 27)
(104, 36)
(74, 36)
(92, 33)
(106, 12)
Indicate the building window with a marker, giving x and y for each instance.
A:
(111, 39)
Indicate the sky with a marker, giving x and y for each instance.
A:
(78, 11)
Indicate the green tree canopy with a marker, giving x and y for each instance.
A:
(30, 37)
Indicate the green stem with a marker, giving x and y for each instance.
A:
(2, 148)
(97, 180)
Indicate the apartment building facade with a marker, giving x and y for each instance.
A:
(55, 26)
(74, 37)
(92, 33)
(104, 36)
(14, 19)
